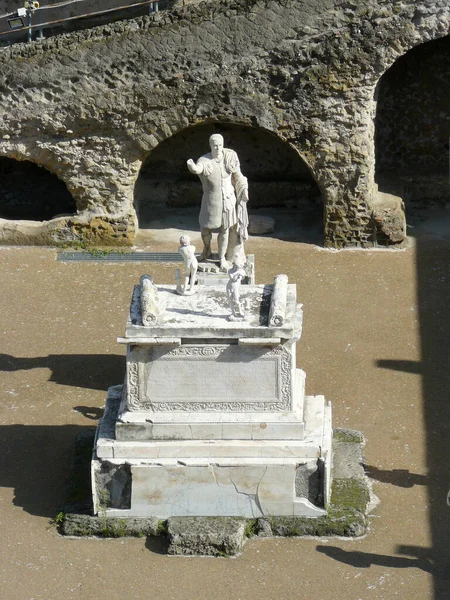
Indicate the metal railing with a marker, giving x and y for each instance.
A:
(152, 4)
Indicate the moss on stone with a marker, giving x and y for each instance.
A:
(348, 436)
(206, 536)
(162, 527)
(346, 514)
(109, 527)
(349, 495)
(215, 536)
(251, 527)
(346, 526)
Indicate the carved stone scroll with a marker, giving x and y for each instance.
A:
(149, 301)
(278, 301)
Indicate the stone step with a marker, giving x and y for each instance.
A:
(186, 450)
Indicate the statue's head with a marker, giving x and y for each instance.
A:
(185, 240)
(216, 144)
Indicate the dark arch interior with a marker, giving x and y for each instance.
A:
(279, 180)
(30, 192)
(413, 129)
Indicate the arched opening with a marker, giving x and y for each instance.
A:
(413, 130)
(280, 183)
(32, 193)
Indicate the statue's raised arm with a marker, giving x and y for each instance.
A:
(194, 168)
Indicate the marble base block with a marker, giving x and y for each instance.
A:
(247, 490)
(201, 425)
(194, 477)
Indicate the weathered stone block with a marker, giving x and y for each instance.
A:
(114, 481)
(207, 536)
(86, 525)
(389, 218)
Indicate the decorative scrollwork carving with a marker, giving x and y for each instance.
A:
(133, 386)
(280, 355)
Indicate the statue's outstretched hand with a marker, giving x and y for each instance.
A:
(193, 168)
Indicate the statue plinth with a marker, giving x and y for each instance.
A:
(213, 417)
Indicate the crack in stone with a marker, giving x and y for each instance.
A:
(254, 497)
(214, 475)
(257, 502)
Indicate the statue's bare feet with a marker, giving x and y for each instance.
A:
(204, 256)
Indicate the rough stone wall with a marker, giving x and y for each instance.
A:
(90, 106)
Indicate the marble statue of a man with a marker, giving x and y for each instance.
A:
(224, 201)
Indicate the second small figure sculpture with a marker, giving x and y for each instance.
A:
(236, 274)
(187, 251)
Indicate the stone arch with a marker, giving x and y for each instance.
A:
(412, 131)
(29, 192)
(413, 121)
(280, 180)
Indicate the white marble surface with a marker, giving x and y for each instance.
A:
(217, 424)
(230, 374)
(250, 490)
(209, 376)
(206, 314)
(220, 477)
(208, 440)
(214, 450)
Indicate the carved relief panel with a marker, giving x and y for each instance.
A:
(211, 378)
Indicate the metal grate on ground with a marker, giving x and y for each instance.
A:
(119, 257)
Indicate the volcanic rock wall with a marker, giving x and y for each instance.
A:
(90, 106)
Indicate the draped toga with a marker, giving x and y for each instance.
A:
(225, 193)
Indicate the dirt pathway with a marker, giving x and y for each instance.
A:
(375, 343)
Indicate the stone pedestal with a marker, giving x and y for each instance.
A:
(212, 419)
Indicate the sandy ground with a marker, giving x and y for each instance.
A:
(375, 342)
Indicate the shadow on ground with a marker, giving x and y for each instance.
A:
(433, 276)
(36, 463)
(433, 290)
(91, 371)
(364, 560)
(398, 477)
(157, 545)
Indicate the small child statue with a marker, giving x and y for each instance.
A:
(187, 251)
(236, 274)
